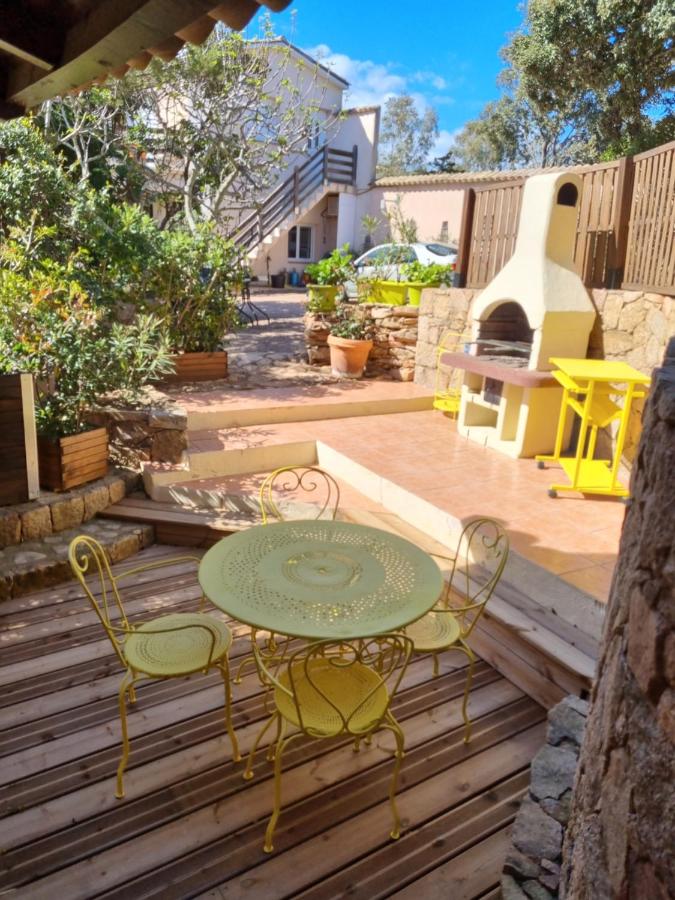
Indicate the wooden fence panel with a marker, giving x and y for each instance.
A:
(495, 225)
(597, 250)
(650, 256)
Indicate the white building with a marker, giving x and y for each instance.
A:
(321, 199)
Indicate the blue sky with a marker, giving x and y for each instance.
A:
(443, 53)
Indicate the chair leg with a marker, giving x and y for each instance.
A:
(246, 661)
(126, 685)
(268, 847)
(436, 668)
(393, 726)
(465, 701)
(248, 771)
(272, 749)
(132, 694)
(225, 669)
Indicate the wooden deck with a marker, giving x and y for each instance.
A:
(190, 826)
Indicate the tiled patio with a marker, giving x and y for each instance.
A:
(571, 536)
(190, 826)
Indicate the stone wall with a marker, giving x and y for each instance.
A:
(532, 866)
(55, 512)
(143, 435)
(394, 330)
(621, 833)
(441, 310)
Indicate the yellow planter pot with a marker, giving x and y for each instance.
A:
(415, 289)
(392, 293)
(322, 297)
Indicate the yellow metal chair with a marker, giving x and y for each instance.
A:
(167, 647)
(328, 689)
(308, 479)
(448, 384)
(477, 566)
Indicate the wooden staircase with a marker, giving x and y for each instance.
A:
(327, 168)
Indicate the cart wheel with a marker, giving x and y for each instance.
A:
(552, 493)
(541, 464)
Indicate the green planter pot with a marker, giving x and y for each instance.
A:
(322, 297)
(392, 293)
(415, 289)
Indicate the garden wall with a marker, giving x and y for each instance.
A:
(143, 435)
(395, 337)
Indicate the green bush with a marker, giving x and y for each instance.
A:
(334, 270)
(50, 328)
(427, 274)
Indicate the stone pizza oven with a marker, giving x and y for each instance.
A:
(535, 308)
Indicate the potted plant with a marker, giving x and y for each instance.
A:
(326, 279)
(196, 286)
(418, 276)
(350, 343)
(77, 354)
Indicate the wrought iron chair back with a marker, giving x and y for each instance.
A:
(386, 655)
(448, 383)
(87, 556)
(319, 485)
(482, 552)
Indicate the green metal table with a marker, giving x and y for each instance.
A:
(322, 579)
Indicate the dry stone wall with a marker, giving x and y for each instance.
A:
(143, 435)
(621, 834)
(441, 310)
(395, 337)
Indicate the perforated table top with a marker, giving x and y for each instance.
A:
(320, 579)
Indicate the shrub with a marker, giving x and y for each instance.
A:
(334, 270)
(427, 274)
(349, 324)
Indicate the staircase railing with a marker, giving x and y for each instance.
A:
(327, 166)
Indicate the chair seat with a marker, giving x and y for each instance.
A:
(344, 686)
(435, 631)
(176, 652)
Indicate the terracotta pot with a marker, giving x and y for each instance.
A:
(69, 461)
(348, 357)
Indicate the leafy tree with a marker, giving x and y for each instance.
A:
(583, 79)
(204, 135)
(406, 137)
(445, 164)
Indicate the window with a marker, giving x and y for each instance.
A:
(314, 136)
(300, 242)
(440, 249)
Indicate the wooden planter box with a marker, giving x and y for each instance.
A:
(69, 461)
(199, 366)
(18, 443)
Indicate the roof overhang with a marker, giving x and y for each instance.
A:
(54, 47)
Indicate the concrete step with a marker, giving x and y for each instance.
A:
(34, 565)
(264, 406)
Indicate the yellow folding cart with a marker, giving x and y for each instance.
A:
(589, 386)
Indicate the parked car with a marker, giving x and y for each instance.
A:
(383, 263)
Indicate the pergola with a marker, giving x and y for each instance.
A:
(53, 47)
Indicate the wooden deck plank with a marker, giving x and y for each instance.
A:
(190, 826)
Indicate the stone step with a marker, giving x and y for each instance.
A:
(264, 406)
(34, 565)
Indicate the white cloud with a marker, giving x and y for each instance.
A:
(372, 84)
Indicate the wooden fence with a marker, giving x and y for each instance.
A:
(650, 256)
(625, 228)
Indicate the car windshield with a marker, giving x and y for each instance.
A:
(440, 249)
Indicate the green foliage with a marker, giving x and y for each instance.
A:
(50, 328)
(433, 273)
(584, 79)
(335, 269)
(401, 228)
(70, 259)
(406, 137)
(350, 324)
(193, 287)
